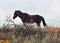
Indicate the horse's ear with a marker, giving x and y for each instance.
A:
(17, 10)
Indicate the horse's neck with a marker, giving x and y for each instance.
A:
(23, 15)
(20, 16)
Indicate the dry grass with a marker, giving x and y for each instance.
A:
(27, 35)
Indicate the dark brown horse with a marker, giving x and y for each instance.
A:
(26, 18)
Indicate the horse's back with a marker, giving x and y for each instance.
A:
(37, 17)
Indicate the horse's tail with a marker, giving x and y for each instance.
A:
(43, 20)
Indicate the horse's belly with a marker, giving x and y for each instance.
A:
(31, 21)
(28, 20)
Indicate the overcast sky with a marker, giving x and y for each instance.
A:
(49, 9)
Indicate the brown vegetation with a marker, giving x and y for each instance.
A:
(22, 34)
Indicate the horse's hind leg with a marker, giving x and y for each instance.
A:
(38, 24)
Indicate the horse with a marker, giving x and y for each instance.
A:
(26, 18)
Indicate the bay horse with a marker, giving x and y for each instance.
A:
(26, 18)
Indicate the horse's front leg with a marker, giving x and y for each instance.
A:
(24, 25)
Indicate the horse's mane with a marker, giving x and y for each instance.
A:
(21, 12)
(25, 13)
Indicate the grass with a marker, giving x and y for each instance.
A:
(27, 35)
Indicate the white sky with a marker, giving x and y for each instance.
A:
(49, 9)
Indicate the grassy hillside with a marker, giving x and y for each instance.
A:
(29, 35)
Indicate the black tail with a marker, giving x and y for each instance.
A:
(43, 20)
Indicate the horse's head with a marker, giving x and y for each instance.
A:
(16, 13)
